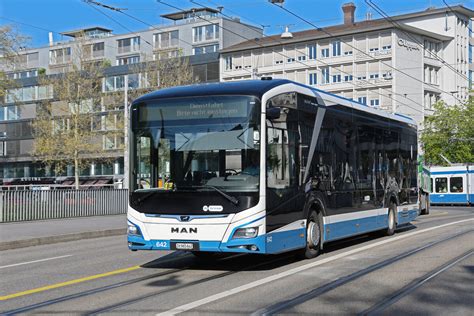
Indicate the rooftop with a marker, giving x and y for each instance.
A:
(94, 30)
(186, 14)
(341, 29)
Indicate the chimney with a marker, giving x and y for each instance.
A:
(50, 38)
(348, 9)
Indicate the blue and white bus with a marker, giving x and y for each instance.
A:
(265, 166)
(453, 185)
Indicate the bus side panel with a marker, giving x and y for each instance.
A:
(470, 184)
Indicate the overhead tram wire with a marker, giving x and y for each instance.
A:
(395, 23)
(139, 20)
(363, 52)
(92, 3)
(42, 29)
(281, 54)
(304, 53)
(451, 9)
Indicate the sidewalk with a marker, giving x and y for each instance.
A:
(26, 234)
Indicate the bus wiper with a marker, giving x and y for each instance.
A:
(230, 198)
(151, 192)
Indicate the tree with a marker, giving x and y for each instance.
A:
(11, 41)
(63, 126)
(449, 132)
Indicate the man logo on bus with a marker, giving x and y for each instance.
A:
(184, 230)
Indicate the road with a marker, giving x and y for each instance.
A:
(425, 268)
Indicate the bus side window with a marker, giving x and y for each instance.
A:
(455, 185)
(441, 185)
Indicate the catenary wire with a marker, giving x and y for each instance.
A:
(363, 52)
(304, 53)
(298, 61)
(395, 23)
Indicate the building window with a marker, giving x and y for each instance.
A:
(278, 62)
(117, 83)
(336, 78)
(374, 102)
(325, 52)
(348, 78)
(313, 79)
(375, 49)
(128, 45)
(166, 39)
(374, 76)
(348, 53)
(228, 63)
(312, 51)
(205, 49)
(290, 60)
(128, 60)
(336, 48)
(60, 56)
(361, 77)
(325, 75)
(301, 58)
(362, 100)
(387, 47)
(205, 33)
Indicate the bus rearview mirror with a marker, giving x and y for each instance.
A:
(273, 113)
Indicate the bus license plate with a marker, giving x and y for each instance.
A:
(189, 246)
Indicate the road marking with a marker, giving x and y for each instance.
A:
(57, 285)
(35, 261)
(219, 296)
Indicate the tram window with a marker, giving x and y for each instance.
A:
(455, 185)
(441, 185)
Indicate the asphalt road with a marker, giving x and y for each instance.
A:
(425, 268)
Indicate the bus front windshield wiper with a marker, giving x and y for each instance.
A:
(149, 193)
(230, 198)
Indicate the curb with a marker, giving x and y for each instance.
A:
(60, 238)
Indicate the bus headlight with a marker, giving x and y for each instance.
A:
(132, 229)
(247, 232)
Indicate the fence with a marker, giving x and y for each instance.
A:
(27, 205)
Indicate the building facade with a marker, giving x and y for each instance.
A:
(197, 33)
(404, 65)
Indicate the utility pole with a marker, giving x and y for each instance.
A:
(125, 135)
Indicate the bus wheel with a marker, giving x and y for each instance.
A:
(392, 224)
(313, 237)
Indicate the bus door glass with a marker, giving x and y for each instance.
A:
(282, 164)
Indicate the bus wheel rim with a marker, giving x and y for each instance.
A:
(314, 234)
(390, 219)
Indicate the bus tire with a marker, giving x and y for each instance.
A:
(313, 237)
(391, 220)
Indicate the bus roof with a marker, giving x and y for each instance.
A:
(257, 88)
(244, 87)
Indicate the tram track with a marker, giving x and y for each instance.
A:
(379, 307)
(154, 277)
(328, 287)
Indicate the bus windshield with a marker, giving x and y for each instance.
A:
(208, 143)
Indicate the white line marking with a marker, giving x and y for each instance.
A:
(28, 262)
(219, 296)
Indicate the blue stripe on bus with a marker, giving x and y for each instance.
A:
(449, 198)
(452, 172)
(277, 242)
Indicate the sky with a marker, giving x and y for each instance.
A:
(35, 18)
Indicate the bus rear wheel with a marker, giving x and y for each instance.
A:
(391, 222)
(313, 237)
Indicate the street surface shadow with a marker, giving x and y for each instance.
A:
(254, 262)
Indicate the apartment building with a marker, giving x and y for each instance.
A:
(197, 33)
(402, 66)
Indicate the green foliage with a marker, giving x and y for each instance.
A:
(41, 71)
(450, 132)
